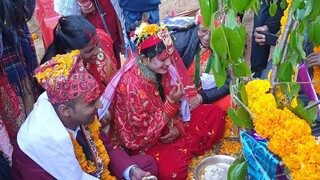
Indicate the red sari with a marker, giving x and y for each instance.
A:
(104, 68)
(137, 111)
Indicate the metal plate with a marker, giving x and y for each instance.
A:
(213, 167)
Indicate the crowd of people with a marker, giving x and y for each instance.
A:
(79, 113)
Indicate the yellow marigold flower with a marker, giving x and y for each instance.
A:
(230, 147)
(151, 29)
(265, 103)
(268, 123)
(256, 88)
(34, 36)
(316, 49)
(62, 69)
(316, 78)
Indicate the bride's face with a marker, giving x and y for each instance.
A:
(159, 64)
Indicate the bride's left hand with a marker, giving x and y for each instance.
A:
(171, 136)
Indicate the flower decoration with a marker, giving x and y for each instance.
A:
(316, 73)
(88, 166)
(62, 69)
(134, 34)
(290, 137)
(284, 18)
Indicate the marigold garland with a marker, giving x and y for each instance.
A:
(87, 165)
(316, 73)
(284, 18)
(290, 137)
(62, 69)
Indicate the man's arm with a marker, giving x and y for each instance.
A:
(23, 167)
(213, 94)
(120, 163)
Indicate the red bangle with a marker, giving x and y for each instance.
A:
(170, 109)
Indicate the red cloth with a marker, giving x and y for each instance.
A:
(112, 23)
(103, 69)
(68, 84)
(47, 19)
(139, 123)
(23, 167)
(11, 112)
(223, 103)
(205, 128)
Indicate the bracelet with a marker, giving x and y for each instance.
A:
(131, 170)
(170, 109)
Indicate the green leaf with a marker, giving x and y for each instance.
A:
(315, 11)
(237, 171)
(255, 6)
(283, 4)
(294, 89)
(233, 115)
(301, 112)
(296, 48)
(235, 44)
(313, 31)
(303, 25)
(218, 35)
(241, 69)
(239, 7)
(242, 32)
(273, 9)
(214, 6)
(285, 72)
(244, 115)
(277, 55)
(299, 47)
(228, 47)
(243, 94)
(231, 20)
(290, 89)
(239, 159)
(295, 5)
(219, 70)
(206, 12)
(304, 12)
(313, 113)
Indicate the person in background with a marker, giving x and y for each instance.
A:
(137, 11)
(147, 94)
(76, 32)
(18, 59)
(193, 45)
(263, 22)
(101, 14)
(62, 138)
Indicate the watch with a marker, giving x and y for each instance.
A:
(133, 167)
